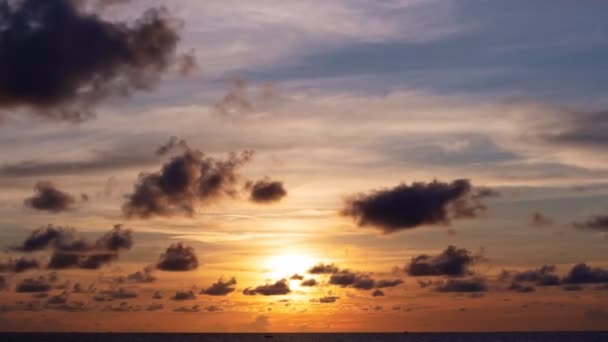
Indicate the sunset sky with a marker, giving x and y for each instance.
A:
(303, 165)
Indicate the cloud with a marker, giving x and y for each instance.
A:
(59, 59)
(281, 287)
(328, 299)
(384, 283)
(378, 293)
(49, 198)
(184, 295)
(177, 257)
(266, 191)
(118, 293)
(321, 268)
(452, 261)
(187, 180)
(539, 219)
(100, 161)
(518, 287)
(220, 288)
(309, 282)
(296, 277)
(40, 284)
(597, 223)
(410, 206)
(155, 307)
(584, 274)
(190, 309)
(18, 265)
(543, 276)
(463, 285)
(239, 101)
(70, 252)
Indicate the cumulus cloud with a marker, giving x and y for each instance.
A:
(309, 282)
(410, 206)
(40, 284)
(384, 283)
(186, 181)
(321, 268)
(597, 223)
(184, 295)
(18, 265)
(178, 257)
(281, 287)
(378, 293)
(543, 276)
(49, 198)
(476, 284)
(72, 252)
(585, 274)
(266, 191)
(518, 287)
(220, 288)
(59, 59)
(452, 261)
(328, 299)
(538, 219)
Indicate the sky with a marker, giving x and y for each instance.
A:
(303, 166)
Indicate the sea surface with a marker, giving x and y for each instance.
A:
(405, 337)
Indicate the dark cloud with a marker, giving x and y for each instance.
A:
(70, 252)
(309, 282)
(296, 277)
(463, 285)
(40, 284)
(266, 191)
(321, 268)
(573, 287)
(143, 276)
(187, 180)
(518, 287)
(49, 198)
(118, 293)
(597, 223)
(18, 265)
(378, 293)
(177, 257)
(543, 276)
(452, 261)
(44, 237)
(184, 295)
(59, 59)
(220, 288)
(169, 146)
(194, 308)
(281, 287)
(410, 206)
(538, 219)
(580, 129)
(346, 278)
(328, 299)
(101, 161)
(585, 274)
(384, 283)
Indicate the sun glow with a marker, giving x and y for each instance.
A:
(286, 265)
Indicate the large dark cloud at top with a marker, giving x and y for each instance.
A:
(187, 180)
(410, 206)
(60, 57)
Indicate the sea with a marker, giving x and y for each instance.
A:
(309, 337)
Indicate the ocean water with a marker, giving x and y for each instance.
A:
(410, 337)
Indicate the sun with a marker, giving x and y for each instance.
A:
(285, 265)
